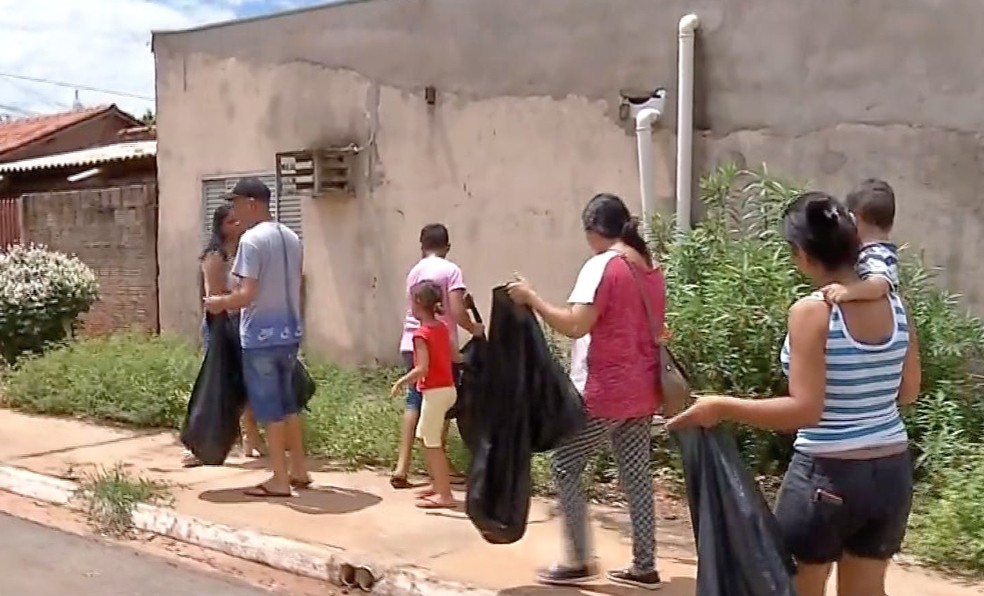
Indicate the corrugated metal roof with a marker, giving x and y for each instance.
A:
(85, 157)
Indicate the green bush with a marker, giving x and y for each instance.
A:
(731, 282)
(947, 525)
(42, 294)
(128, 379)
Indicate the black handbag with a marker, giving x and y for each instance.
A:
(304, 385)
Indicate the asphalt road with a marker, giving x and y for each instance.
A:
(39, 560)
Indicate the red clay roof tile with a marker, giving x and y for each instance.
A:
(17, 133)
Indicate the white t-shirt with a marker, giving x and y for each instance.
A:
(584, 292)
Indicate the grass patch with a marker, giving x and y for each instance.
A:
(127, 379)
(146, 381)
(112, 494)
(947, 524)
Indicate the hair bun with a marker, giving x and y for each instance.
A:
(823, 213)
(631, 224)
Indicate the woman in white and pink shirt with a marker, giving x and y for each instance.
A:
(614, 364)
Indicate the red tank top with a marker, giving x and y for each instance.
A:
(437, 338)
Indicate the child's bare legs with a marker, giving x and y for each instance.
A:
(437, 467)
(431, 430)
(456, 476)
(253, 443)
(405, 457)
(411, 416)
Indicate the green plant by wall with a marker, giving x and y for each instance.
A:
(42, 294)
(730, 284)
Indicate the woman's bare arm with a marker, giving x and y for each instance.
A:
(911, 367)
(572, 320)
(808, 324)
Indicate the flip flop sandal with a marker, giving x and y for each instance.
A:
(426, 493)
(459, 480)
(400, 482)
(301, 483)
(432, 504)
(263, 492)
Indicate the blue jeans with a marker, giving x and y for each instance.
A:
(268, 374)
(414, 397)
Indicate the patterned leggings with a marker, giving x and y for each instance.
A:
(630, 441)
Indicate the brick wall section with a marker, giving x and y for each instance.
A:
(114, 232)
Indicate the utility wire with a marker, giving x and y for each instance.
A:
(17, 110)
(74, 86)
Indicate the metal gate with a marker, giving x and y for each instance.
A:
(10, 224)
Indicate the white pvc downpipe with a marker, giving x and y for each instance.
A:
(644, 119)
(685, 121)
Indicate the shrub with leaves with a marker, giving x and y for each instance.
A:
(130, 379)
(730, 284)
(42, 294)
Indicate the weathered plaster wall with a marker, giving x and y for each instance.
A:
(525, 129)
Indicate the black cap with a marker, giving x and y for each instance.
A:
(251, 188)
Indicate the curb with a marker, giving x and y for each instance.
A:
(316, 562)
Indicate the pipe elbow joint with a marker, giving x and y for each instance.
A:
(688, 25)
(646, 118)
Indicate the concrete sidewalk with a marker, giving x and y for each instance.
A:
(360, 513)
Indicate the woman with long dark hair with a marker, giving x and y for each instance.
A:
(848, 491)
(216, 264)
(616, 304)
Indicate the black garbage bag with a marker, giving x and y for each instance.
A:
(520, 402)
(469, 386)
(740, 550)
(468, 382)
(304, 386)
(211, 425)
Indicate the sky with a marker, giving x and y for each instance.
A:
(101, 44)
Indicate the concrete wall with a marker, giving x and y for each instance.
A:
(525, 129)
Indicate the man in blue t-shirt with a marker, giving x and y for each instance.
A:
(268, 265)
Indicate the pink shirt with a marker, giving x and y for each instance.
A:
(447, 275)
(615, 365)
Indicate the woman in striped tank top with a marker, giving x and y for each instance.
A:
(848, 491)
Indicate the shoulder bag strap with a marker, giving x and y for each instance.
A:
(291, 313)
(653, 328)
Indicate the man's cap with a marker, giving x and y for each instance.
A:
(250, 188)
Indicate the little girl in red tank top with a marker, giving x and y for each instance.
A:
(433, 373)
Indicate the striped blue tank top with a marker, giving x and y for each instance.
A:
(860, 410)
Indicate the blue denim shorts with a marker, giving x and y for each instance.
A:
(414, 398)
(828, 507)
(268, 374)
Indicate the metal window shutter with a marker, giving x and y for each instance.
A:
(215, 190)
(289, 213)
(271, 181)
(213, 195)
